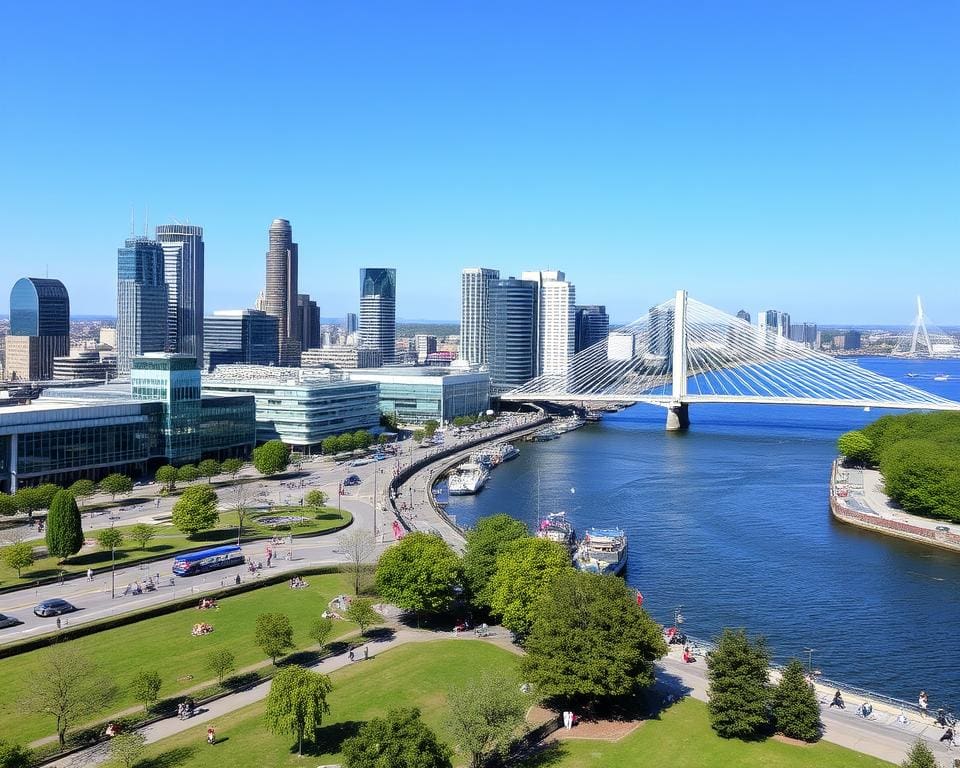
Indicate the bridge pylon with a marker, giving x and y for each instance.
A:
(678, 415)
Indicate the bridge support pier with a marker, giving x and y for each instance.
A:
(678, 417)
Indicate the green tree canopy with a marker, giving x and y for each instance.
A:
(418, 573)
(83, 489)
(14, 755)
(855, 446)
(209, 468)
(796, 711)
(145, 687)
(188, 473)
(166, 476)
(362, 438)
(18, 556)
(485, 716)
(329, 445)
(399, 740)
(315, 498)
(220, 662)
(116, 484)
(524, 570)
(920, 756)
(362, 614)
(196, 510)
(271, 458)
(8, 504)
(419, 435)
(231, 467)
(485, 541)
(297, 703)
(430, 427)
(127, 748)
(590, 640)
(273, 632)
(109, 538)
(320, 630)
(739, 692)
(64, 532)
(142, 533)
(33, 498)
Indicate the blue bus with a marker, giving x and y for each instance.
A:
(207, 560)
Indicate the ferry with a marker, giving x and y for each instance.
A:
(603, 551)
(547, 433)
(507, 451)
(568, 424)
(556, 527)
(467, 480)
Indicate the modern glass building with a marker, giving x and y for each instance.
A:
(141, 301)
(183, 273)
(280, 294)
(248, 336)
(378, 311)
(514, 325)
(39, 328)
(593, 326)
(174, 381)
(475, 314)
(417, 395)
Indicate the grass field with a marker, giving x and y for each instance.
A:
(420, 675)
(165, 644)
(168, 540)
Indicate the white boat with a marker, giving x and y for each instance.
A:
(467, 479)
(507, 451)
(941, 377)
(568, 424)
(547, 433)
(556, 527)
(603, 551)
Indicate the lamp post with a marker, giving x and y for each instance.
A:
(113, 571)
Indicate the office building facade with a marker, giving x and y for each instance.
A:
(475, 314)
(341, 356)
(183, 273)
(350, 323)
(378, 311)
(308, 322)
(557, 320)
(514, 325)
(142, 308)
(280, 294)
(775, 322)
(39, 328)
(805, 333)
(592, 326)
(84, 364)
(240, 336)
(417, 395)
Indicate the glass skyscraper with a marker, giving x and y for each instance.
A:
(280, 295)
(240, 336)
(514, 327)
(378, 311)
(141, 301)
(474, 314)
(593, 326)
(183, 273)
(39, 328)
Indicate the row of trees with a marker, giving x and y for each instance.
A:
(351, 441)
(34, 498)
(429, 429)
(168, 476)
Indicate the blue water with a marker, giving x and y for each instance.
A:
(731, 521)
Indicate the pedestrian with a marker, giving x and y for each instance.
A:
(366, 652)
(89, 574)
(237, 579)
(350, 655)
(158, 503)
(948, 736)
(211, 735)
(922, 702)
(58, 622)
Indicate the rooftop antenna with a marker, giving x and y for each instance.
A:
(133, 220)
(146, 212)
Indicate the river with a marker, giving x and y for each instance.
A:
(731, 521)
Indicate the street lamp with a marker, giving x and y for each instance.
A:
(113, 570)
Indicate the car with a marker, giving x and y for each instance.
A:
(943, 528)
(352, 480)
(8, 621)
(54, 607)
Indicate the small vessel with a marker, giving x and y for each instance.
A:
(568, 424)
(507, 451)
(467, 479)
(941, 377)
(603, 551)
(594, 416)
(487, 458)
(911, 375)
(541, 436)
(556, 527)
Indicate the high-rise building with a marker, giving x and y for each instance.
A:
(378, 311)
(804, 333)
(514, 332)
(593, 325)
(474, 314)
(660, 332)
(141, 301)
(174, 380)
(557, 321)
(309, 322)
(183, 274)
(350, 324)
(778, 323)
(744, 315)
(240, 336)
(280, 295)
(425, 344)
(39, 328)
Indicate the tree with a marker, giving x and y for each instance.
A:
(345, 442)
(362, 614)
(240, 495)
(738, 691)
(196, 510)
(166, 476)
(399, 740)
(297, 703)
(18, 556)
(110, 538)
(485, 716)
(8, 504)
(329, 445)
(116, 485)
(362, 438)
(64, 529)
(485, 541)
(419, 435)
(315, 498)
(273, 632)
(271, 458)
(231, 467)
(390, 421)
(127, 748)
(83, 489)
(524, 570)
(188, 473)
(795, 708)
(855, 446)
(590, 640)
(33, 498)
(209, 468)
(220, 662)
(142, 533)
(14, 756)
(920, 756)
(419, 573)
(296, 459)
(320, 629)
(358, 545)
(68, 686)
(430, 427)
(383, 438)
(145, 687)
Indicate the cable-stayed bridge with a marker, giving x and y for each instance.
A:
(683, 351)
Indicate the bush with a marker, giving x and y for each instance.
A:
(795, 708)
(739, 695)
(64, 530)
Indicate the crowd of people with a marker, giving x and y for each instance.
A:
(297, 582)
(201, 628)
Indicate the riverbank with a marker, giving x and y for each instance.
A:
(857, 498)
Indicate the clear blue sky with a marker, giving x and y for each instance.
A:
(798, 155)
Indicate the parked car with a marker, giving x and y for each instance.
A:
(54, 607)
(352, 480)
(8, 621)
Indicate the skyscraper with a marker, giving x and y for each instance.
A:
(378, 311)
(593, 325)
(774, 321)
(474, 314)
(309, 322)
(557, 321)
(513, 307)
(240, 336)
(183, 273)
(141, 301)
(280, 296)
(350, 323)
(39, 328)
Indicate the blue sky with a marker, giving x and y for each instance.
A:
(797, 155)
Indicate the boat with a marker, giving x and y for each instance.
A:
(594, 416)
(506, 452)
(467, 479)
(568, 424)
(911, 375)
(547, 433)
(487, 458)
(556, 527)
(941, 377)
(602, 550)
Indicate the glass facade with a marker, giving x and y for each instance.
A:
(514, 345)
(141, 301)
(67, 450)
(228, 425)
(247, 336)
(417, 397)
(378, 311)
(174, 380)
(39, 307)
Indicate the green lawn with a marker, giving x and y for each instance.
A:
(165, 644)
(169, 540)
(418, 674)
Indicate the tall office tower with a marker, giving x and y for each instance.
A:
(39, 328)
(558, 321)
(240, 336)
(280, 296)
(804, 333)
(593, 325)
(514, 311)
(474, 314)
(774, 321)
(378, 311)
(183, 274)
(425, 344)
(350, 324)
(744, 315)
(660, 332)
(309, 322)
(141, 301)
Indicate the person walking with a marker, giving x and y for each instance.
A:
(922, 702)
(837, 701)
(366, 652)
(211, 735)
(89, 574)
(350, 655)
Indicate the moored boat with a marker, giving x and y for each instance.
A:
(507, 451)
(547, 433)
(467, 479)
(602, 550)
(556, 527)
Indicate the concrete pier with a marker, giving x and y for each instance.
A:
(678, 417)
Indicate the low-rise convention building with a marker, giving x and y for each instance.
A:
(418, 395)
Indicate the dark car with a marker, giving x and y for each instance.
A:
(54, 607)
(8, 621)
(352, 480)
